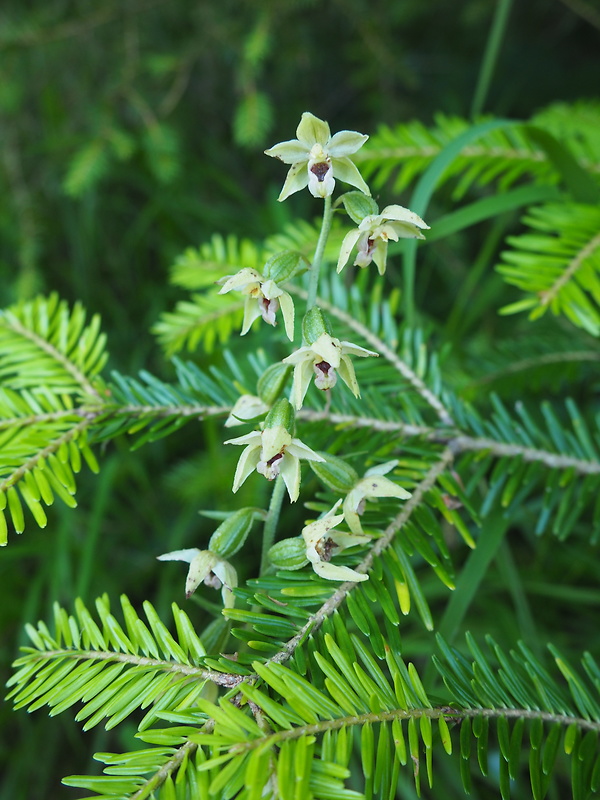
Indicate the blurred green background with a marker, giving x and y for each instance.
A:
(130, 130)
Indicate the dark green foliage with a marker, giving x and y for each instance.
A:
(131, 134)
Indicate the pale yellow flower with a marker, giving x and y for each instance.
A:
(272, 452)
(321, 544)
(375, 231)
(207, 567)
(263, 299)
(317, 158)
(324, 359)
(373, 484)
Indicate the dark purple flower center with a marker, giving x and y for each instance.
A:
(320, 170)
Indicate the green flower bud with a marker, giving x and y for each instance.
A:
(289, 554)
(282, 415)
(335, 473)
(272, 382)
(358, 206)
(232, 533)
(282, 266)
(315, 324)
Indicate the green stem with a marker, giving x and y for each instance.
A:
(271, 522)
(490, 56)
(313, 285)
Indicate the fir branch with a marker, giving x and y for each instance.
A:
(337, 598)
(549, 294)
(12, 323)
(51, 416)
(551, 460)
(220, 678)
(458, 443)
(51, 448)
(170, 767)
(385, 351)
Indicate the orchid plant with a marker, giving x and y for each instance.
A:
(356, 465)
(317, 159)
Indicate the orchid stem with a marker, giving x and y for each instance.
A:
(271, 522)
(313, 285)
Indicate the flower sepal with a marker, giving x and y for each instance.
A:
(247, 408)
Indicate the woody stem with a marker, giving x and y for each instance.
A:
(313, 285)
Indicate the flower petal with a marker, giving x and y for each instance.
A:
(344, 143)
(296, 180)
(228, 577)
(346, 171)
(350, 239)
(351, 503)
(201, 566)
(382, 469)
(290, 152)
(404, 230)
(247, 464)
(379, 486)
(334, 573)
(328, 349)
(300, 450)
(287, 310)
(273, 441)
(290, 472)
(240, 280)
(401, 214)
(180, 555)
(312, 130)
(253, 438)
(349, 348)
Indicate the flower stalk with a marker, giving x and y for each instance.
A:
(313, 285)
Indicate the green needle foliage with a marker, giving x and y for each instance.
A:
(344, 677)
